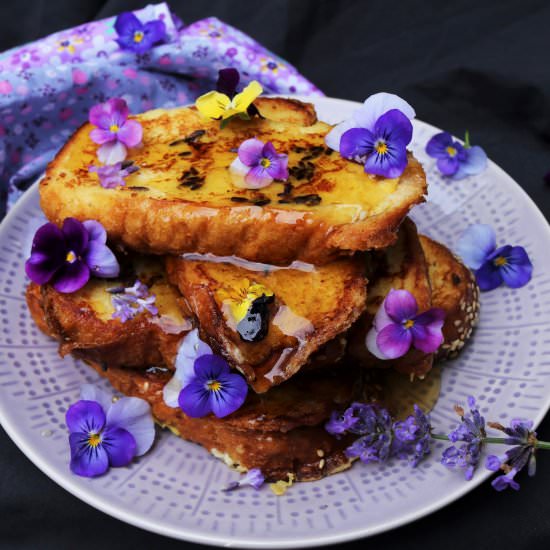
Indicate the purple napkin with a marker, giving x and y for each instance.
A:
(47, 87)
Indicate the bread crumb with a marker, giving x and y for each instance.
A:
(280, 487)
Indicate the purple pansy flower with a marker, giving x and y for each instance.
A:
(130, 301)
(138, 37)
(113, 175)
(212, 389)
(66, 257)
(377, 135)
(259, 163)
(454, 159)
(114, 132)
(397, 326)
(524, 439)
(493, 266)
(191, 348)
(103, 433)
(253, 477)
(471, 432)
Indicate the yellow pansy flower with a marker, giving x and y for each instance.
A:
(217, 105)
(240, 297)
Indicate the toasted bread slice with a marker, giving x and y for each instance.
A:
(82, 322)
(184, 198)
(310, 309)
(455, 290)
(401, 266)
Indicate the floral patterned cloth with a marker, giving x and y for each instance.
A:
(48, 86)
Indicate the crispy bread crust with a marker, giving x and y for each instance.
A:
(279, 356)
(281, 432)
(260, 233)
(402, 266)
(454, 289)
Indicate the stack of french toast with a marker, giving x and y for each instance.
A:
(324, 247)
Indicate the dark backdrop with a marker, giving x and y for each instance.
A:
(463, 65)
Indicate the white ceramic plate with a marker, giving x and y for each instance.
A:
(175, 489)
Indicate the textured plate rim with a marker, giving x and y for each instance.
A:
(140, 520)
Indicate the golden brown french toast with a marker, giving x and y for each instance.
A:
(454, 289)
(82, 322)
(400, 266)
(184, 199)
(310, 307)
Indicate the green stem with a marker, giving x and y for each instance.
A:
(543, 445)
(498, 440)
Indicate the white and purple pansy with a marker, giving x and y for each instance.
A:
(112, 176)
(397, 326)
(138, 37)
(259, 163)
(103, 433)
(376, 135)
(114, 132)
(493, 266)
(67, 257)
(454, 159)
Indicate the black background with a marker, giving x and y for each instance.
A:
(470, 65)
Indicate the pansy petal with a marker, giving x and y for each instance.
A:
(130, 133)
(71, 277)
(372, 345)
(100, 116)
(47, 253)
(155, 31)
(118, 110)
(89, 392)
(427, 330)
(334, 137)
(230, 397)
(134, 415)
(75, 235)
(96, 231)
(378, 104)
(389, 165)
(127, 23)
(111, 153)
(356, 142)
(171, 391)
(395, 126)
(100, 136)
(381, 319)
(210, 367)
(400, 305)
(488, 276)
(394, 341)
(212, 104)
(437, 145)
(476, 244)
(239, 168)
(120, 446)
(518, 270)
(278, 169)
(448, 166)
(247, 96)
(194, 400)
(257, 177)
(250, 151)
(475, 162)
(228, 80)
(190, 348)
(87, 461)
(40, 267)
(101, 260)
(85, 416)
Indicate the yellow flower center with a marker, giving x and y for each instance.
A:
(71, 257)
(265, 163)
(138, 36)
(500, 261)
(381, 147)
(451, 151)
(409, 323)
(94, 440)
(213, 385)
(114, 128)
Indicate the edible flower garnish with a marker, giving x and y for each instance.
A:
(240, 297)
(66, 257)
(259, 163)
(213, 388)
(103, 433)
(131, 301)
(454, 159)
(493, 266)
(397, 326)
(114, 132)
(113, 175)
(253, 477)
(217, 105)
(377, 135)
(228, 80)
(138, 37)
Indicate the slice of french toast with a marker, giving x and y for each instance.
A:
(184, 198)
(310, 309)
(83, 321)
(437, 278)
